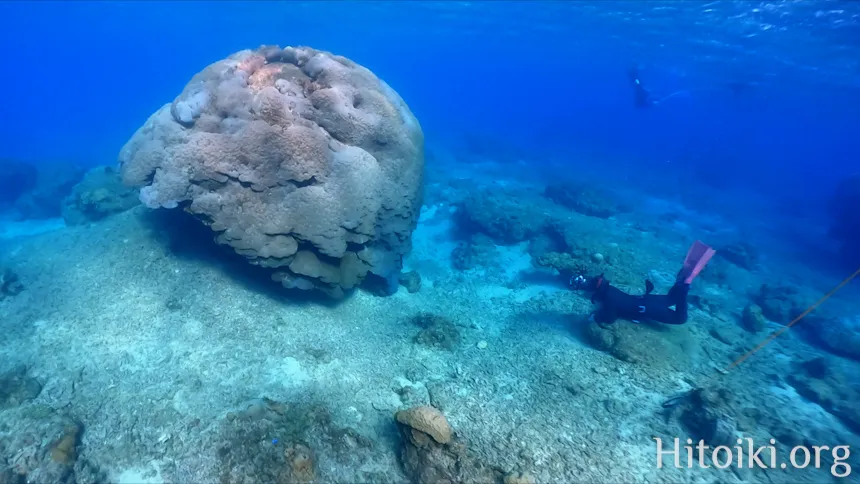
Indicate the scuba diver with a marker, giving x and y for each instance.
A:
(615, 303)
(642, 97)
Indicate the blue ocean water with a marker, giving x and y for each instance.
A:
(749, 142)
(546, 75)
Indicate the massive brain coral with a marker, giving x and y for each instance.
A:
(300, 160)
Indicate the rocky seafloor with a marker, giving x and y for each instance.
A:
(135, 350)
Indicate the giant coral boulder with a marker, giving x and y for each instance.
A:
(300, 160)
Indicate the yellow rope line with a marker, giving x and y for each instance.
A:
(796, 320)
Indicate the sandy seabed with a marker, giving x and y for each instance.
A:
(165, 364)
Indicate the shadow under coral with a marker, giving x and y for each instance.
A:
(186, 238)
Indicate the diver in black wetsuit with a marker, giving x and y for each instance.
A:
(642, 97)
(615, 303)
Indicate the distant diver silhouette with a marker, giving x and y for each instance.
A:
(642, 96)
(737, 87)
(644, 99)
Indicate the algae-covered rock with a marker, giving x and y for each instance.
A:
(582, 198)
(464, 256)
(817, 381)
(64, 450)
(479, 250)
(706, 303)
(838, 335)
(412, 394)
(566, 263)
(10, 284)
(753, 318)
(842, 336)
(519, 478)
(779, 303)
(718, 272)
(411, 281)
(741, 254)
(571, 236)
(645, 343)
(100, 194)
(543, 244)
(45, 447)
(436, 331)
(442, 394)
(16, 388)
(55, 183)
(503, 215)
(706, 414)
(273, 441)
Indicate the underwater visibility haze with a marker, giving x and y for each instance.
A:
(503, 242)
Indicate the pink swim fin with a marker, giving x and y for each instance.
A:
(697, 258)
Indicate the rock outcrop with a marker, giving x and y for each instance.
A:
(54, 183)
(839, 335)
(10, 283)
(100, 194)
(648, 344)
(581, 198)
